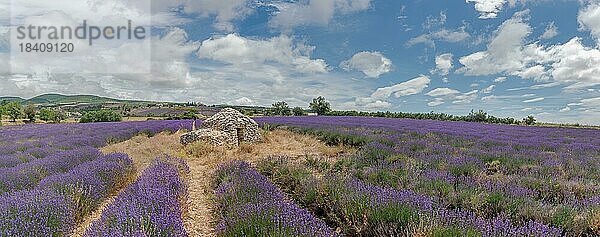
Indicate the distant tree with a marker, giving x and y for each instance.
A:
(30, 112)
(49, 115)
(529, 120)
(320, 106)
(299, 111)
(281, 108)
(479, 116)
(100, 116)
(190, 114)
(14, 110)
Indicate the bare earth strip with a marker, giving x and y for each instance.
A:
(142, 150)
(203, 160)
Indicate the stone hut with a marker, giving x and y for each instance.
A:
(226, 128)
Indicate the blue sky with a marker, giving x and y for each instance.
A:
(508, 57)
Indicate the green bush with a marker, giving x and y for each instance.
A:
(49, 115)
(101, 116)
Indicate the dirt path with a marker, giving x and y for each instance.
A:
(203, 160)
(142, 150)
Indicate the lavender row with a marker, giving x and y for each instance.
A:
(151, 206)
(31, 152)
(14, 139)
(524, 175)
(28, 175)
(409, 208)
(60, 201)
(250, 205)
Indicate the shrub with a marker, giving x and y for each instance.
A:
(299, 111)
(320, 106)
(49, 115)
(101, 116)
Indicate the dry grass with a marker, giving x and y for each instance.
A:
(278, 142)
(204, 159)
(142, 150)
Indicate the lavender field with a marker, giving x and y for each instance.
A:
(53, 176)
(433, 178)
(406, 178)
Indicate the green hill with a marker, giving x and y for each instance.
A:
(56, 99)
(11, 99)
(69, 99)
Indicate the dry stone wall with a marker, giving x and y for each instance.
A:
(226, 128)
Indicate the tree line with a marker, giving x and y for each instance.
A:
(30, 113)
(320, 106)
(14, 110)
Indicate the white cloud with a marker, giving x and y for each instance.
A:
(442, 94)
(584, 111)
(591, 102)
(435, 102)
(576, 64)
(371, 104)
(504, 53)
(589, 19)
(488, 8)
(411, 87)
(489, 89)
(245, 52)
(570, 63)
(534, 100)
(500, 79)
(443, 64)
(313, 12)
(372, 64)
(550, 32)
(452, 36)
(243, 101)
(224, 11)
(465, 98)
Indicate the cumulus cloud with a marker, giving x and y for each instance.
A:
(550, 32)
(243, 101)
(313, 12)
(570, 63)
(488, 8)
(372, 64)
(443, 64)
(575, 64)
(589, 19)
(241, 51)
(505, 51)
(411, 87)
